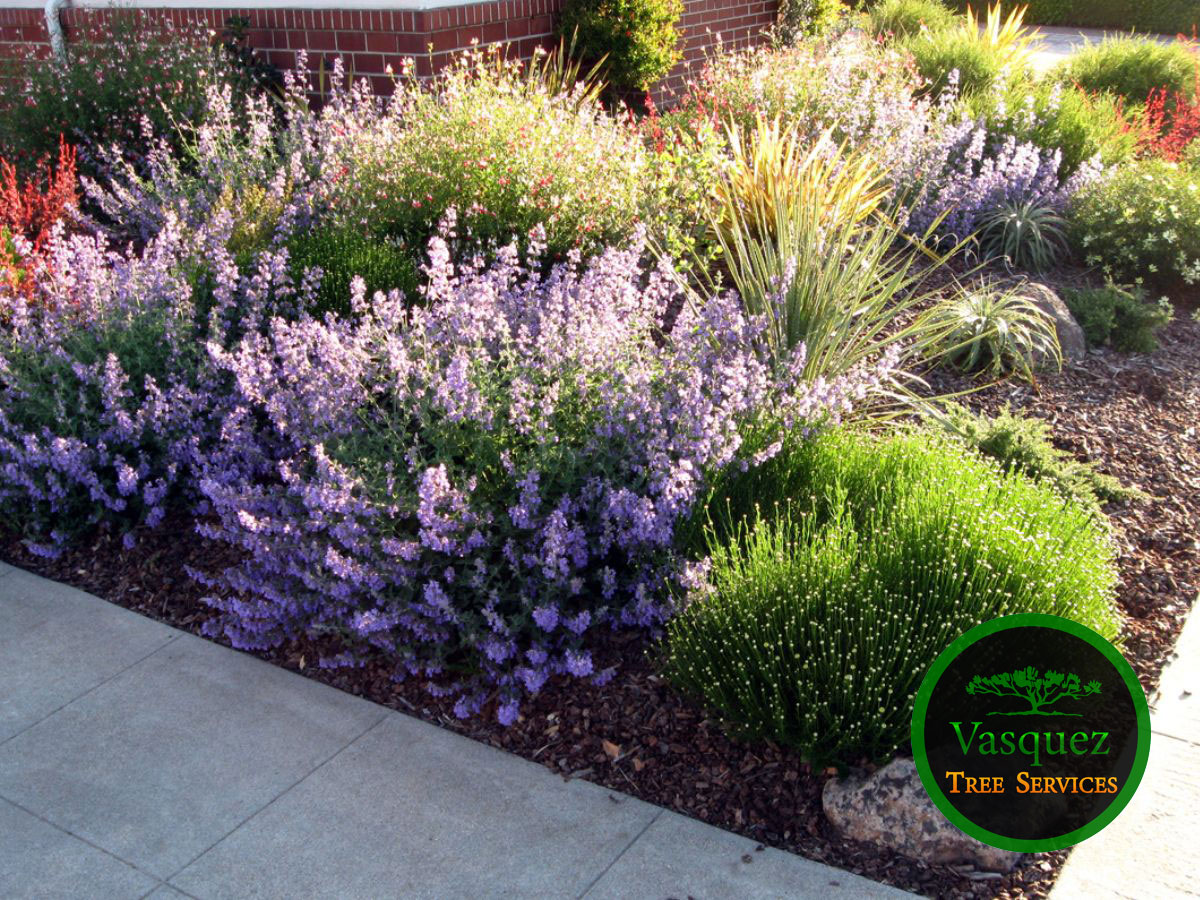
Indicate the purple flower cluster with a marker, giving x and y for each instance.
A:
(477, 484)
(967, 173)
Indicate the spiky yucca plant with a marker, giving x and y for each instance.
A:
(1029, 234)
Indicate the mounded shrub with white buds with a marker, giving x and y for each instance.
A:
(842, 567)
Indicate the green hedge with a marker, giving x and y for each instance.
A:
(1162, 16)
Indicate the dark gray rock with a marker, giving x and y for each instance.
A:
(890, 808)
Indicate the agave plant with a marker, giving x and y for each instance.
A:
(991, 330)
(1030, 234)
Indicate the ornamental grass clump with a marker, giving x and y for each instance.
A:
(468, 489)
(840, 569)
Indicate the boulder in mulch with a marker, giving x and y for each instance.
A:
(890, 808)
(1070, 335)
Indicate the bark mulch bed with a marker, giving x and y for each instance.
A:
(1135, 416)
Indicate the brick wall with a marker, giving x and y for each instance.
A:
(372, 39)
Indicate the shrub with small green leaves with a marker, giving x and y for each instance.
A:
(1130, 67)
(636, 39)
(1023, 444)
(799, 19)
(904, 18)
(1141, 225)
(341, 253)
(1120, 318)
(842, 568)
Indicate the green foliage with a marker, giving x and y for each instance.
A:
(128, 68)
(987, 329)
(938, 54)
(508, 148)
(1115, 317)
(343, 253)
(636, 39)
(1141, 224)
(818, 262)
(1026, 233)
(905, 18)
(1057, 117)
(1163, 16)
(1022, 444)
(1130, 67)
(842, 567)
(799, 19)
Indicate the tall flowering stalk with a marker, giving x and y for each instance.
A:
(474, 486)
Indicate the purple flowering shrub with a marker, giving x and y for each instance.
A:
(970, 174)
(98, 388)
(473, 486)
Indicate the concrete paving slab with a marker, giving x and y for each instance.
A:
(1177, 704)
(680, 857)
(39, 861)
(162, 761)
(1150, 850)
(57, 643)
(166, 892)
(411, 810)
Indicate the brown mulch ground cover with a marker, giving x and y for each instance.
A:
(1135, 416)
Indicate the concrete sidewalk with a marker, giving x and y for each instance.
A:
(140, 761)
(1152, 849)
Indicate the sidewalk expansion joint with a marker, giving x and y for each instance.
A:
(637, 837)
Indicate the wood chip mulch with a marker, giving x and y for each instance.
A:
(1134, 415)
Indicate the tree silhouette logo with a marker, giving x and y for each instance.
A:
(1038, 690)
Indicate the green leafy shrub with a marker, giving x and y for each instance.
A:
(1027, 233)
(1130, 68)
(841, 568)
(799, 19)
(904, 18)
(1059, 117)
(1022, 444)
(987, 329)
(1141, 224)
(341, 253)
(636, 39)
(128, 67)
(1111, 316)
(508, 148)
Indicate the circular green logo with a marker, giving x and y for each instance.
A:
(1031, 732)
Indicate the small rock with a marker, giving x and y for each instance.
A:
(1070, 336)
(891, 808)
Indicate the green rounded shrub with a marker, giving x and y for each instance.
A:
(844, 566)
(1115, 317)
(905, 18)
(637, 39)
(342, 253)
(939, 54)
(1131, 68)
